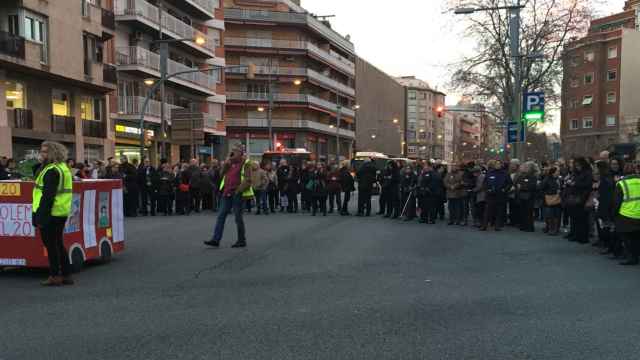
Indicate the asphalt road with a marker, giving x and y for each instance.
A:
(328, 288)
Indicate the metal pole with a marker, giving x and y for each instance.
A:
(338, 120)
(270, 112)
(514, 29)
(164, 55)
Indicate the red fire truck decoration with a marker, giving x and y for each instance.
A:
(94, 230)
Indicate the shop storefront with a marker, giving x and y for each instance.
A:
(128, 143)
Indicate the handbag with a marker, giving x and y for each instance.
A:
(552, 200)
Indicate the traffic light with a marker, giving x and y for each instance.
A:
(251, 71)
(440, 111)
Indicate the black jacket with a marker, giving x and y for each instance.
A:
(346, 180)
(390, 178)
(430, 184)
(527, 186)
(283, 175)
(606, 191)
(145, 178)
(366, 176)
(129, 176)
(408, 182)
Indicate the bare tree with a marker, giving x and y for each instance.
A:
(546, 27)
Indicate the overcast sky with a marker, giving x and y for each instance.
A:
(407, 37)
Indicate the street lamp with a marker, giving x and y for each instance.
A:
(149, 82)
(261, 108)
(395, 120)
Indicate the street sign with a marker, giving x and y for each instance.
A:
(533, 107)
(516, 132)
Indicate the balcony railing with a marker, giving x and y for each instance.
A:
(208, 5)
(287, 123)
(137, 56)
(289, 18)
(108, 19)
(290, 71)
(93, 128)
(109, 74)
(171, 25)
(22, 118)
(132, 105)
(11, 45)
(332, 58)
(295, 98)
(63, 124)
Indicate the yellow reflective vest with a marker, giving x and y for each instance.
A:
(62, 201)
(630, 197)
(247, 193)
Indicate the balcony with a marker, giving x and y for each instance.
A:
(291, 98)
(291, 124)
(108, 19)
(290, 71)
(206, 8)
(131, 106)
(20, 118)
(290, 18)
(12, 45)
(333, 59)
(142, 11)
(136, 58)
(93, 128)
(63, 124)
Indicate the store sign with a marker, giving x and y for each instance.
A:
(132, 130)
(9, 189)
(15, 220)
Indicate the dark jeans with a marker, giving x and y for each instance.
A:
(148, 198)
(514, 212)
(526, 215)
(494, 211)
(182, 200)
(456, 209)
(164, 204)
(467, 206)
(580, 223)
(391, 203)
(261, 201)
(345, 202)
(195, 199)
(364, 202)
(273, 200)
(292, 197)
(319, 203)
(227, 205)
(334, 199)
(478, 211)
(207, 201)
(131, 202)
(429, 208)
(440, 207)
(52, 237)
(216, 200)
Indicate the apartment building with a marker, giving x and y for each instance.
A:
(53, 79)
(194, 30)
(304, 67)
(423, 121)
(600, 84)
(381, 111)
(471, 127)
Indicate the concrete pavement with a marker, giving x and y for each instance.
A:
(328, 288)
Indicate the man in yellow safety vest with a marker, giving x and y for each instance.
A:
(52, 195)
(234, 188)
(627, 220)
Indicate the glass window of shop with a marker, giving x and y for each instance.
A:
(60, 103)
(91, 108)
(15, 94)
(131, 152)
(258, 146)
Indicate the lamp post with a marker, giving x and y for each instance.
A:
(514, 42)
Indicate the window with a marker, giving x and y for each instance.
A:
(612, 53)
(258, 90)
(574, 124)
(91, 108)
(35, 29)
(611, 98)
(60, 102)
(14, 25)
(589, 56)
(611, 120)
(574, 83)
(588, 78)
(412, 95)
(587, 100)
(587, 122)
(412, 108)
(15, 94)
(612, 75)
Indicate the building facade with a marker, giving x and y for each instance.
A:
(381, 110)
(423, 121)
(471, 130)
(600, 84)
(304, 83)
(193, 102)
(53, 79)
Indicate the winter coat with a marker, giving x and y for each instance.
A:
(479, 190)
(347, 183)
(333, 182)
(606, 192)
(283, 177)
(366, 176)
(430, 184)
(408, 182)
(526, 187)
(455, 185)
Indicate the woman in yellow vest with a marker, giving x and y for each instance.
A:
(51, 206)
(627, 221)
(234, 188)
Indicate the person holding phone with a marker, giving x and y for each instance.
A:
(234, 188)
